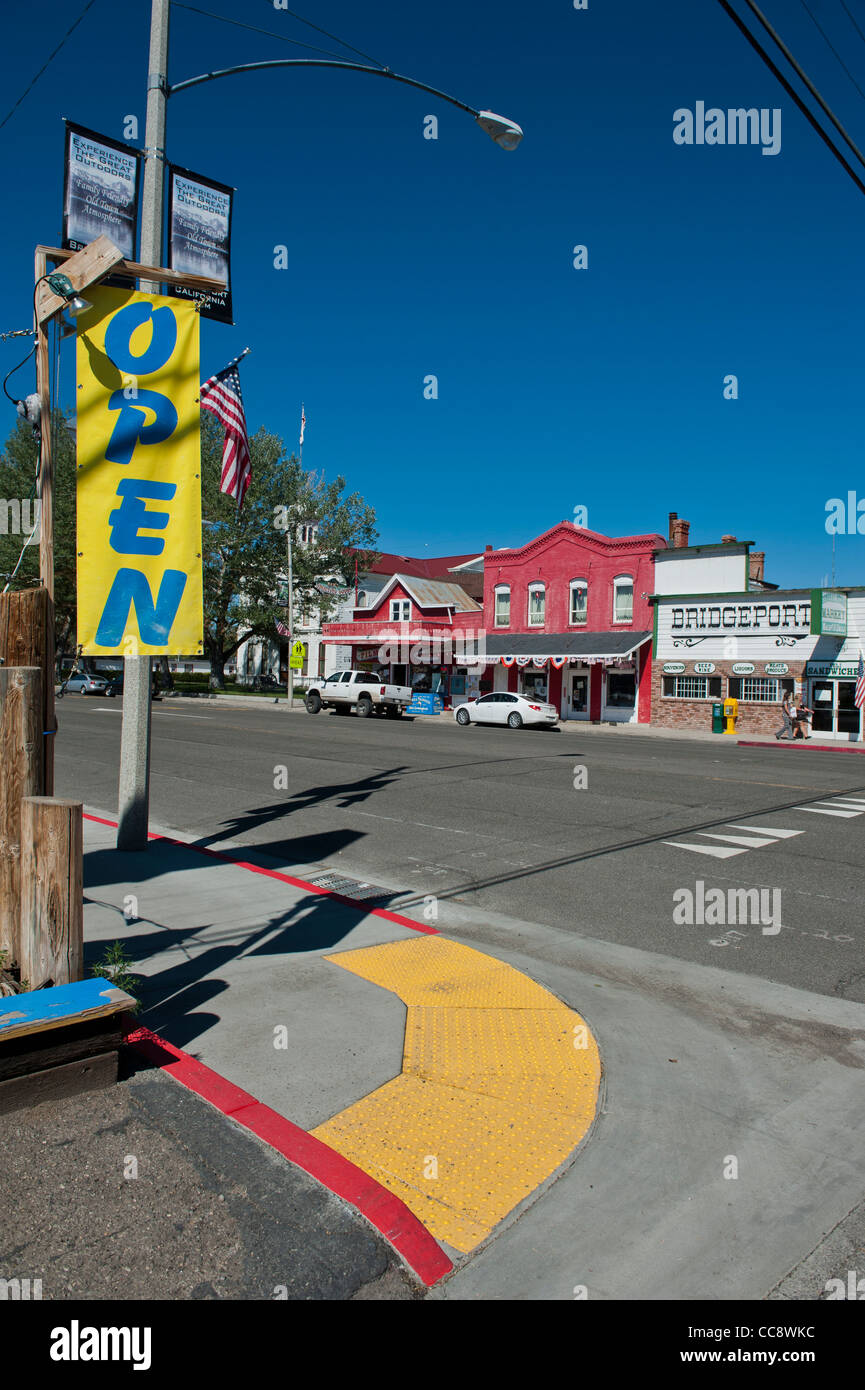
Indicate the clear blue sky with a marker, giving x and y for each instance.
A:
(411, 257)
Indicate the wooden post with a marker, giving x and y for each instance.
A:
(27, 639)
(21, 767)
(46, 474)
(52, 891)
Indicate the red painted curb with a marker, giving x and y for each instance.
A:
(781, 743)
(228, 858)
(399, 1226)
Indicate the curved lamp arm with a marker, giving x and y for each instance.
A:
(506, 134)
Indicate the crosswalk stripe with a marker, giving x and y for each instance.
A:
(718, 851)
(751, 841)
(826, 811)
(770, 830)
(848, 801)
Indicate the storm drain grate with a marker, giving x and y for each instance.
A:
(349, 887)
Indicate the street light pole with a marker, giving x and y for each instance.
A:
(290, 619)
(134, 790)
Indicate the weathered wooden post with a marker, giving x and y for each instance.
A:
(21, 775)
(52, 891)
(27, 639)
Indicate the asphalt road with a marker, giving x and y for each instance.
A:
(564, 829)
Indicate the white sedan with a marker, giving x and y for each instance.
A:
(504, 708)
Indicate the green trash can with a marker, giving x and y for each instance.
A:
(718, 717)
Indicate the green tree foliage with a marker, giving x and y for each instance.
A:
(18, 464)
(245, 555)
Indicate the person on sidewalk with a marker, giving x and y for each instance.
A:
(803, 726)
(787, 716)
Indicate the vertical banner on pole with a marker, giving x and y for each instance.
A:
(138, 476)
(100, 190)
(199, 237)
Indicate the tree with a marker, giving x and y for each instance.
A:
(18, 466)
(245, 553)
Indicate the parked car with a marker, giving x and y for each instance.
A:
(85, 684)
(362, 691)
(115, 687)
(504, 708)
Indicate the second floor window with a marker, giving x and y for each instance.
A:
(579, 600)
(623, 599)
(503, 606)
(537, 605)
(400, 610)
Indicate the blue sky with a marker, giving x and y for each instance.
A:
(410, 257)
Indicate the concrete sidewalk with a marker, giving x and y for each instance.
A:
(699, 1064)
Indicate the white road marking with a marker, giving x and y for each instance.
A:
(770, 830)
(751, 841)
(826, 811)
(718, 851)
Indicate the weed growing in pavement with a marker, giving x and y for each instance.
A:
(114, 967)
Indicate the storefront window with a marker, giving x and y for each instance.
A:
(623, 600)
(579, 600)
(537, 605)
(503, 605)
(621, 690)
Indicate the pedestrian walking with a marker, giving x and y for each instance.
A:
(803, 725)
(787, 715)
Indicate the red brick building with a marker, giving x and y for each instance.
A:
(568, 620)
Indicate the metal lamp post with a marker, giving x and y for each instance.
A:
(134, 791)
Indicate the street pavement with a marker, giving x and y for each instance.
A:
(718, 1162)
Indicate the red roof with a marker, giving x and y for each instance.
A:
(431, 567)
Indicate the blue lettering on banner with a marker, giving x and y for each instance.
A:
(154, 620)
(163, 341)
(131, 426)
(127, 519)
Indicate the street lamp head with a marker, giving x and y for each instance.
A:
(506, 134)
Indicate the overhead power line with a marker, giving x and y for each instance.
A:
(32, 84)
(852, 20)
(238, 24)
(806, 112)
(831, 47)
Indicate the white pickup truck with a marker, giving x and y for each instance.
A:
(363, 691)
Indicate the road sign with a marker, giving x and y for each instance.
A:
(298, 652)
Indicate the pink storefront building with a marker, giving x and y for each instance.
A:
(568, 620)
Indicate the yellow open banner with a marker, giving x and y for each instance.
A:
(139, 476)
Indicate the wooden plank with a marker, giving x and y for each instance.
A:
(60, 1006)
(21, 756)
(55, 1083)
(134, 270)
(27, 639)
(84, 268)
(51, 934)
(21, 1056)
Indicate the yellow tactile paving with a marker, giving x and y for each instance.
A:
(499, 1085)
(431, 970)
(529, 1056)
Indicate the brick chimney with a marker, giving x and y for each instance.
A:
(757, 562)
(728, 540)
(488, 546)
(680, 533)
(671, 518)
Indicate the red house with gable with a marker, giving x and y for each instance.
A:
(568, 620)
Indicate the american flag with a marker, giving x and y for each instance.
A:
(221, 396)
(302, 425)
(860, 683)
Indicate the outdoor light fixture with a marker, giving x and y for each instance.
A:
(506, 134)
(62, 285)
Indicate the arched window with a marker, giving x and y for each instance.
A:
(579, 601)
(623, 598)
(503, 605)
(537, 604)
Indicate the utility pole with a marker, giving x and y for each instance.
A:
(290, 619)
(134, 789)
